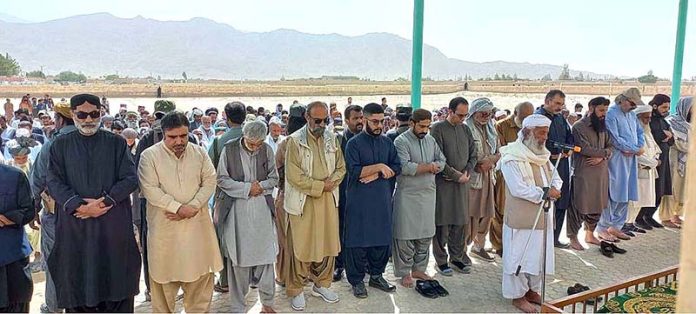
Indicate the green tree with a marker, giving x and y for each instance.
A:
(648, 79)
(112, 77)
(514, 77)
(9, 66)
(565, 73)
(496, 77)
(36, 74)
(69, 76)
(184, 76)
(546, 77)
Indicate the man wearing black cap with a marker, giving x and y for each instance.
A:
(95, 261)
(212, 112)
(403, 114)
(64, 124)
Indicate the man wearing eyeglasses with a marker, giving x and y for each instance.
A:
(95, 262)
(314, 167)
(452, 194)
(372, 164)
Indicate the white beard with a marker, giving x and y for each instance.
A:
(534, 146)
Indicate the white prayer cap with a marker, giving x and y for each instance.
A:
(500, 113)
(642, 109)
(535, 121)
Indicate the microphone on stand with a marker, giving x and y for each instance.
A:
(566, 147)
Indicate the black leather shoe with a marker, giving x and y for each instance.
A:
(338, 274)
(441, 291)
(653, 223)
(359, 291)
(382, 284)
(628, 230)
(461, 267)
(425, 288)
(636, 229)
(466, 259)
(605, 249)
(616, 249)
(561, 245)
(642, 224)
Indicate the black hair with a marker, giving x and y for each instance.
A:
(456, 101)
(118, 124)
(373, 108)
(420, 115)
(659, 99)
(80, 99)
(598, 101)
(351, 108)
(173, 120)
(553, 93)
(236, 112)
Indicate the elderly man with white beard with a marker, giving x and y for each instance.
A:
(528, 172)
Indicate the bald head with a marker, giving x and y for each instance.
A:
(523, 110)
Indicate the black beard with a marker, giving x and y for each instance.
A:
(597, 124)
(370, 131)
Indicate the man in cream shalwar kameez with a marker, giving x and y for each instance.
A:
(247, 176)
(177, 178)
(647, 171)
(522, 163)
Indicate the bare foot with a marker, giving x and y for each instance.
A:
(617, 233)
(407, 281)
(420, 275)
(524, 305)
(677, 220)
(533, 297)
(590, 238)
(267, 309)
(607, 237)
(575, 244)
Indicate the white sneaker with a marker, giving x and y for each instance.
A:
(326, 294)
(298, 302)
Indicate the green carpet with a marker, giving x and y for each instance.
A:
(660, 299)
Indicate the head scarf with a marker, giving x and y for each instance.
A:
(483, 105)
(22, 144)
(642, 109)
(681, 129)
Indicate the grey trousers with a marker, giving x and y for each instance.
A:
(410, 255)
(48, 238)
(239, 279)
(451, 236)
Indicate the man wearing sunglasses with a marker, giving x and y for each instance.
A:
(95, 262)
(314, 167)
(373, 164)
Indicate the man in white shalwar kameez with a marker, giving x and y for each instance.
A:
(526, 168)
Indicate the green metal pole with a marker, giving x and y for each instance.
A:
(417, 59)
(679, 54)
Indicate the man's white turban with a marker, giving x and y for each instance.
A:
(642, 109)
(534, 121)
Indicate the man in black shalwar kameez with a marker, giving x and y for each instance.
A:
(95, 261)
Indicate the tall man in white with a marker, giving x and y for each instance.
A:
(526, 168)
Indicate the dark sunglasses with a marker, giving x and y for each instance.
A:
(319, 121)
(83, 115)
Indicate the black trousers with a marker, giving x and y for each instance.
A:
(143, 240)
(123, 306)
(340, 259)
(16, 287)
(356, 258)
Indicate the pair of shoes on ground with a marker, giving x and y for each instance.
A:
(431, 289)
(360, 292)
(608, 249)
(647, 223)
(298, 302)
(577, 288)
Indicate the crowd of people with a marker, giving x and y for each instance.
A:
(246, 197)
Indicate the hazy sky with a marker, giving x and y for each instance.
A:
(623, 37)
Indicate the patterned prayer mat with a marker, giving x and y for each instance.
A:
(660, 299)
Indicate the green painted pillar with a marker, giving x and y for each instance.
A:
(417, 59)
(679, 54)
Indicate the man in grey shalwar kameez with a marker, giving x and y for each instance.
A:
(414, 199)
(247, 174)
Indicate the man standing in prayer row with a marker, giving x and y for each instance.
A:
(354, 125)
(414, 200)
(662, 134)
(275, 130)
(95, 261)
(236, 113)
(481, 195)
(64, 125)
(314, 167)
(559, 132)
(507, 133)
(527, 170)
(681, 127)
(247, 176)
(296, 120)
(403, 115)
(177, 180)
(16, 210)
(452, 196)
(647, 174)
(627, 137)
(372, 164)
(590, 183)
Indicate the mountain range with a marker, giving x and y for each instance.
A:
(101, 44)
